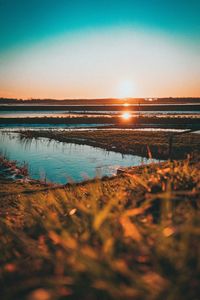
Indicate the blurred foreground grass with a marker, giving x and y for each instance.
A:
(133, 236)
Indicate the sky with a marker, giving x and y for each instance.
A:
(96, 49)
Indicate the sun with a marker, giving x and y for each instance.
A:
(126, 115)
(126, 89)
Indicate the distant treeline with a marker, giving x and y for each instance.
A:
(103, 101)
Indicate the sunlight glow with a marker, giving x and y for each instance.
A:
(126, 115)
(126, 89)
(92, 65)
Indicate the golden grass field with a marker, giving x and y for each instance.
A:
(133, 236)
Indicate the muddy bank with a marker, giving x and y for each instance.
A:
(10, 171)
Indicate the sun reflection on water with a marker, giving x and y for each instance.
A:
(126, 115)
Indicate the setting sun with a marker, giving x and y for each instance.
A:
(126, 89)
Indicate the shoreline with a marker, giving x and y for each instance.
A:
(109, 107)
(118, 122)
(10, 171)
(160, 145)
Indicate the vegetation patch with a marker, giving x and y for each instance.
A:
(133, 236)
(157, 144)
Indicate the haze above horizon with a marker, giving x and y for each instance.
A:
(99, 49)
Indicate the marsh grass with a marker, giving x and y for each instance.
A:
(133, 236)
(134, 142)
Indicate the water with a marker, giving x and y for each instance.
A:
(64, 162)
(78, 113)
(38, 126)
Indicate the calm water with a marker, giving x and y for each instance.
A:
(62, 162)
(49, 126)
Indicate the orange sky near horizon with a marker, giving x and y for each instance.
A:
(114, 62)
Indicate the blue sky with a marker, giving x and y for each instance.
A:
(26, 26)
(30, 21)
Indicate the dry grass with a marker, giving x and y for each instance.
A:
(134, 236)
(127, 141)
